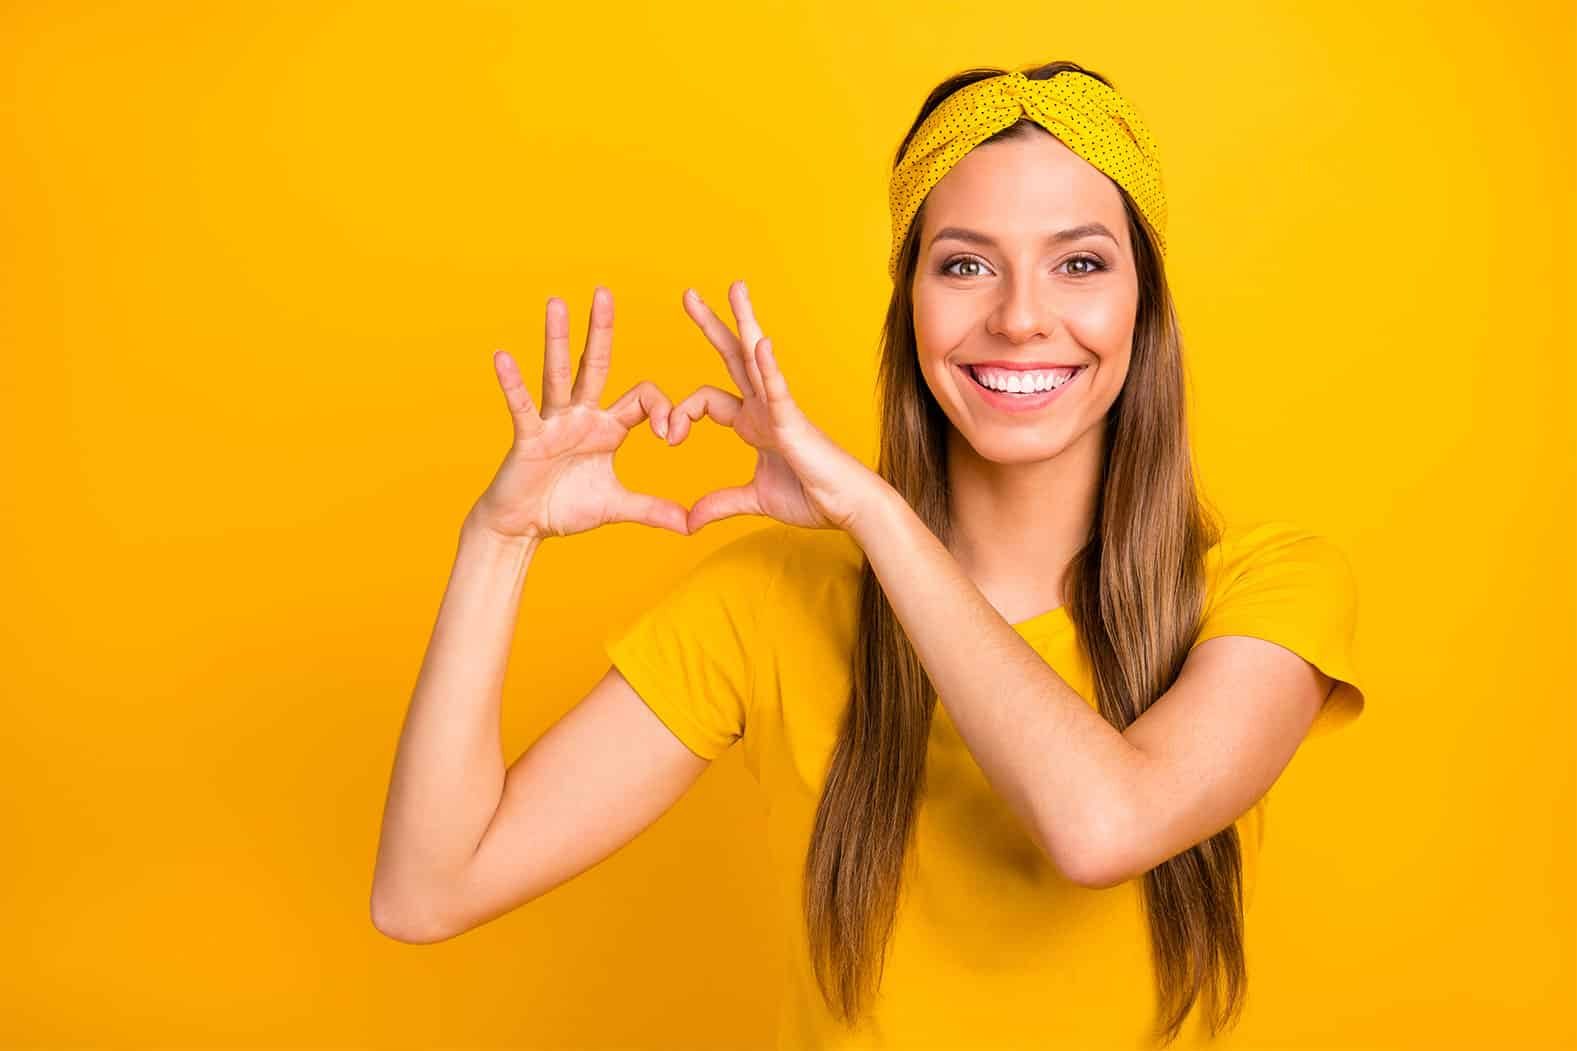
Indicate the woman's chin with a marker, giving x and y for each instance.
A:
(1010, 449)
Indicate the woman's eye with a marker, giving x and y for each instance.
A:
(947, 267)
(1095, 265)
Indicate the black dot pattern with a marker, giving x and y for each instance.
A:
(1087, 116)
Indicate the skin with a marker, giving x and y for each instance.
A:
(1024, 486)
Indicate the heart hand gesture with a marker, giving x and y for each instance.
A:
(802, 477)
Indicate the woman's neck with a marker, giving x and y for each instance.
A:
(1015, 527)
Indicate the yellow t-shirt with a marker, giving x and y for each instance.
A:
(993, 947)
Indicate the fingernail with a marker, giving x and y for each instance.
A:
(662, 428)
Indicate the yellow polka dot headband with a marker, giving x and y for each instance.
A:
(1089, 117)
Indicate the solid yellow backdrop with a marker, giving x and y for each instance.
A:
(256, 260)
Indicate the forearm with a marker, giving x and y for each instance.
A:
(449, 767)
(1065, 770)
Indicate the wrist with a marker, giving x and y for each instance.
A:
(874, 515)
(483, 535)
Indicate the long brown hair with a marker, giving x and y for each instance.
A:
(1134, 594)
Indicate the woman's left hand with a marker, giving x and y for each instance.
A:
(803, 477)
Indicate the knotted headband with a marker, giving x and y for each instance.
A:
(1089, 117)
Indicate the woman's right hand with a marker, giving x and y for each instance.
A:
(557, 478)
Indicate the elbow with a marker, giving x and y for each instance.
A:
(1096, 857)
(1085, 868)
(412, 926)
(1100, 876)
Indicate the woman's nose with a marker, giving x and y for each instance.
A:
(1026, 312)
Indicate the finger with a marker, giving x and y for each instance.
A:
(523, 414)
(773, 380)
(724, 503)
(593, 371)
(644, 401)
(706, 401)
(555, 357)
(749, 332)
(720, 336)
(654, 511)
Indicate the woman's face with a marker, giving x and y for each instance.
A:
(1018, 296)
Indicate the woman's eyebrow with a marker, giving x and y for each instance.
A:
(1073, 233)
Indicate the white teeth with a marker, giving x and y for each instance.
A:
(1021, 383)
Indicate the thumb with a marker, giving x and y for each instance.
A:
(654, 511)
(724, 503)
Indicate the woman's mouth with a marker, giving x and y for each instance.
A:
(1028, 398)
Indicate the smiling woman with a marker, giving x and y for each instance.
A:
(1032, 750)
(1015, 698)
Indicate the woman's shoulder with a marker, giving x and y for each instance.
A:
(1248, 542)
(1282, 581)
(776, 555)
(828, 548)
(1252, 554)
(797, 575)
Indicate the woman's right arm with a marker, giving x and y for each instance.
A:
(463, 839)
(449, 768)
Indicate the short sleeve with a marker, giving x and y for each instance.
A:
(1298, 590)
(690, 656)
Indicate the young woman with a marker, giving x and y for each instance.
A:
(1014, 698)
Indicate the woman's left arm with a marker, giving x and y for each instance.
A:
(1105, 806)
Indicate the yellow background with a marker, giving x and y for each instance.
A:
(255, 260)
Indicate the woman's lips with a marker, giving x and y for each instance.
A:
(1008, 402)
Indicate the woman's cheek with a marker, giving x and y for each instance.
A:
(939, 331)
